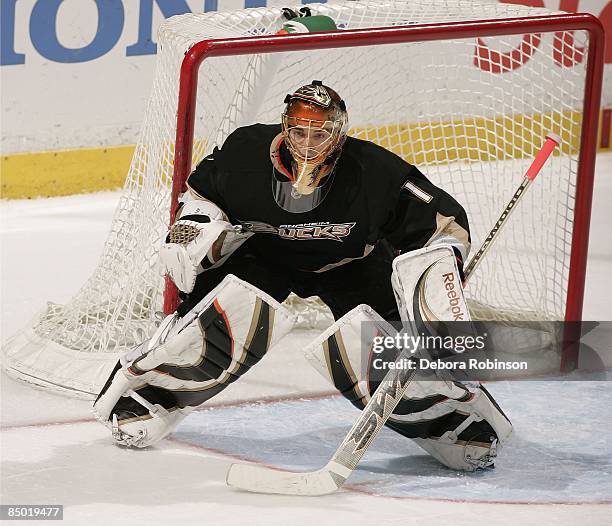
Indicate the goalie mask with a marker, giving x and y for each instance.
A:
(314, 126)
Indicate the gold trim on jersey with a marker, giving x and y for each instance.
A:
(447, 226)
(344, 261)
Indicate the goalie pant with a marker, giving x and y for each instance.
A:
(363, 281)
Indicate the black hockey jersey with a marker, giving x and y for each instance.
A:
(374, 195)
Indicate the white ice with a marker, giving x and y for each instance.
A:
(557, 469)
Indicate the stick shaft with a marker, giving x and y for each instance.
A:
(534, 169)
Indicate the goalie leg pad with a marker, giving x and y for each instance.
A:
(346, 355)
(463, 432)
(132, 419)
(475, 442)
(197, 357)
(337, 352)
(461, 428)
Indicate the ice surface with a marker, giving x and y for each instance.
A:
(545, 462)
(53, 452)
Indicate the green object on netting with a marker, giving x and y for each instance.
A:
(308, 24)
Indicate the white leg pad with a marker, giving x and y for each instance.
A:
(341, 355)
(471, 452)
(145, 431)
(189, 360)
(342, 344)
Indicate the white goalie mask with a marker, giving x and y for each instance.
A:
(314, 126)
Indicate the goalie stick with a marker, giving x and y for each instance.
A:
(329, 478)
(551, 142)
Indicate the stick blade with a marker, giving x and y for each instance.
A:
(260, 479)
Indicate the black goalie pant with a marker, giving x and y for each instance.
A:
(366, 280)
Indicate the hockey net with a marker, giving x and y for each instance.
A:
(470, 112)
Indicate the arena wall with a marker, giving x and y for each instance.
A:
(76, 76)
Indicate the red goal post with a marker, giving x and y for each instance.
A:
(419, 33)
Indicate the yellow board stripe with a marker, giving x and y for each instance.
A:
(476, 140)
(66, 172)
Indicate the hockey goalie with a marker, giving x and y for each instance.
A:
(301, 207)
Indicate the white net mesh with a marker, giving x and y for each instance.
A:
(470, 114)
